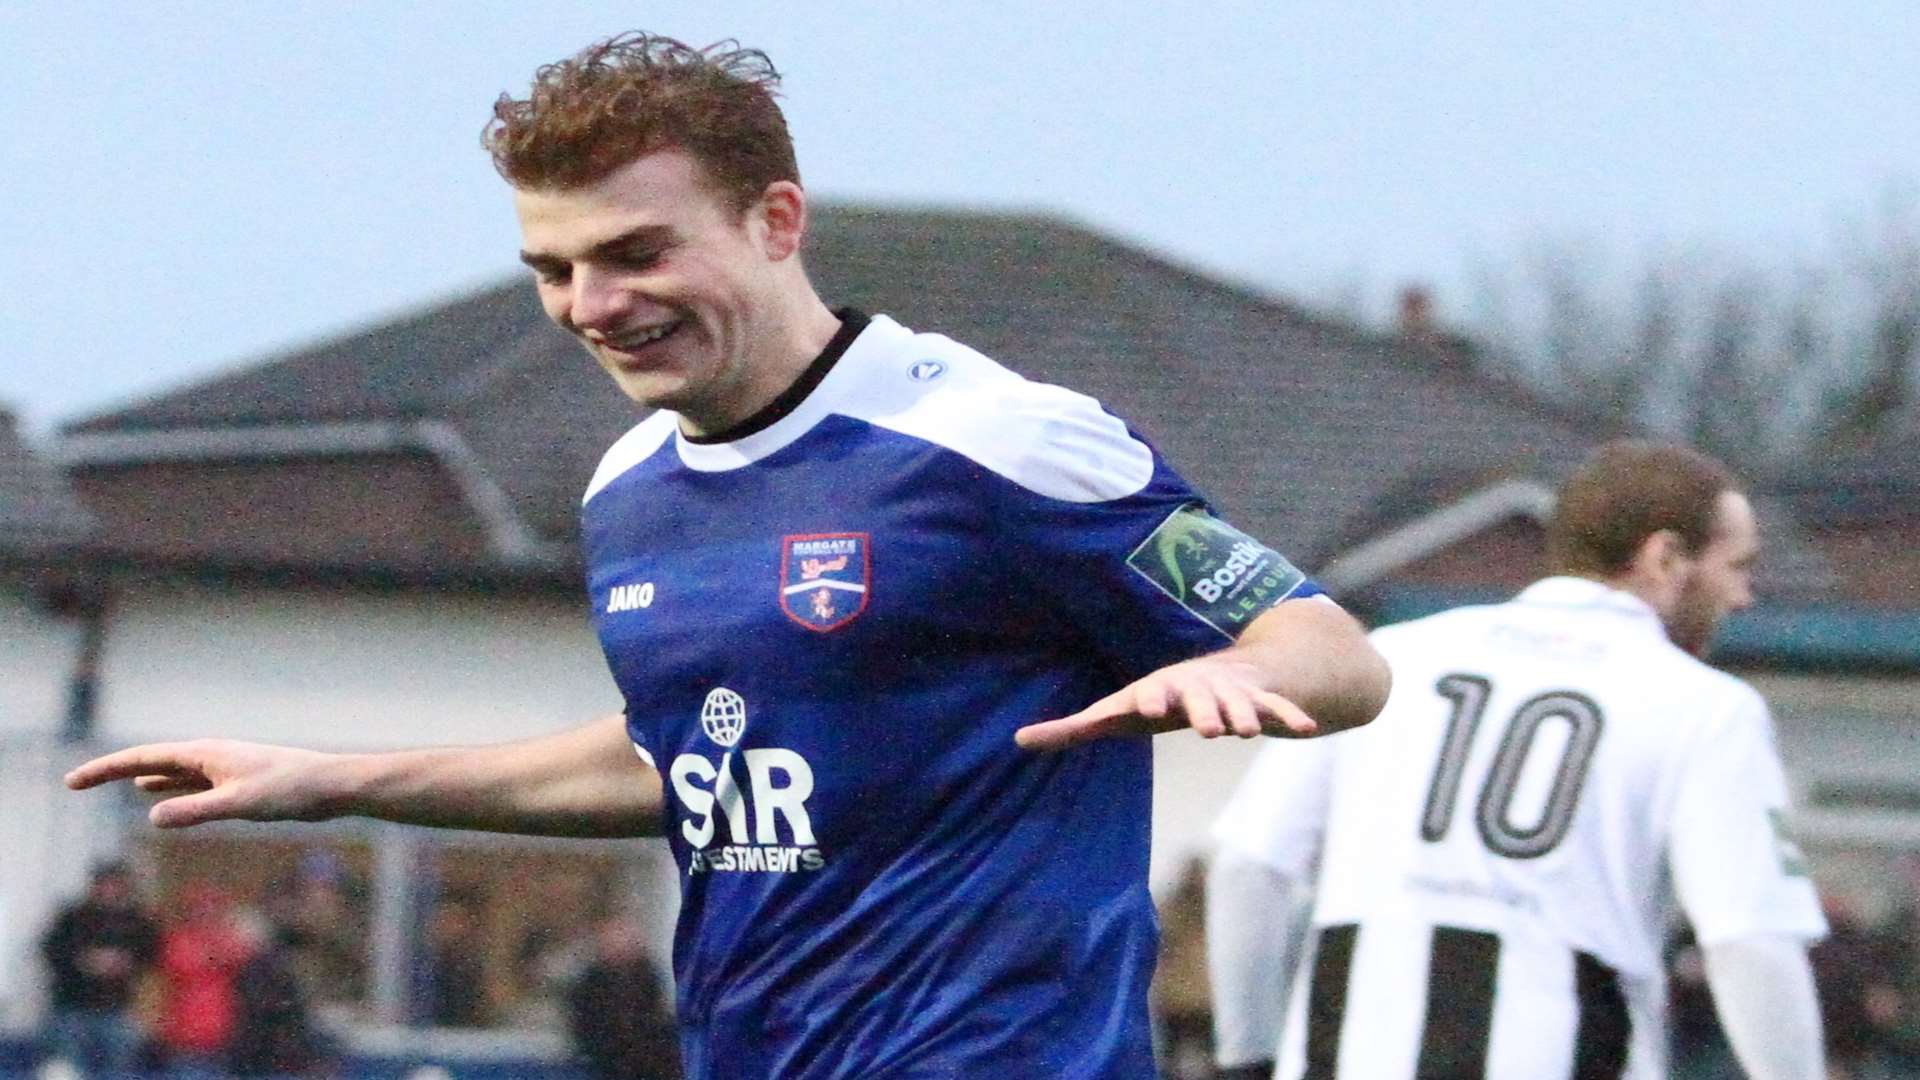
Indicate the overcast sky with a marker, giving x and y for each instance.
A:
(188, 186)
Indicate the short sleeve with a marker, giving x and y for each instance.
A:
(644, 742)
(1735, 870)
(1277, 815)
(1149, 577)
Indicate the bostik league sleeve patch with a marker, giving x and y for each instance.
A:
(1214, 570)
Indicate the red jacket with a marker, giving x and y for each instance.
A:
(200, 961)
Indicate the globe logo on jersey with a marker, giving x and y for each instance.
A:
(723, 716)
(825, 578)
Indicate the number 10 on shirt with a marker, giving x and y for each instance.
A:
(1494, 811)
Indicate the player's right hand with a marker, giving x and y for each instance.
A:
(218, 779)
(1218, 694)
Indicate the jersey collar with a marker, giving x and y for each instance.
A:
(1585, 594)
(851, 323)
(795, 413)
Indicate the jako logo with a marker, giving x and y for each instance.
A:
(629, 597)
(780, 781)
(1244, 557)
(926, 371)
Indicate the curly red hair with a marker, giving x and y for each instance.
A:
(636, 93)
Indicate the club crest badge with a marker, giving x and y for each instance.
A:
(825, 578)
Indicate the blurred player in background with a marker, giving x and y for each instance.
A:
(1488, 870)
(843, 579)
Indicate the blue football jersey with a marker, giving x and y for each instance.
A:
(827, 631)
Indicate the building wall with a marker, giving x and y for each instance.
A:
(52, 838)
(346, 670)
(1846, 727)
(1851, 744)
(37, 652)
(48, 840)
(380, 509)
(325, 669)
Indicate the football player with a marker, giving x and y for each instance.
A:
(1479, 883)
(876, 605)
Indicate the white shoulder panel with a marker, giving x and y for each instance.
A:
(1697, 688)
(631, 449)
(1048, 439)
(1738, 695)
(1447, 627)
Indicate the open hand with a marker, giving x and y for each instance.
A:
(217, 779)
(1214, 695)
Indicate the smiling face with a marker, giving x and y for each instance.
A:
(680, 298)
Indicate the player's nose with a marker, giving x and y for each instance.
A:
(1742, 595)
(597, 301)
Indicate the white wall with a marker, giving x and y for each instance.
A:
(1859, 737)
(346, 670)
(1846, 723)
(36, 659)
(319, 668)
(51, 839)
(46, 842)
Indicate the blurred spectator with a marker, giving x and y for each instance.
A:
(1182, 999)
(547, 961)
(1854, 970)
(1901, 999)
(457, 989)
(617, 1010)
(330, 953)
(200, 957)
(96, 951)
(274, 1033)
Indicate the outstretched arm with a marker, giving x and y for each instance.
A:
(1303, 668)
(584, 782)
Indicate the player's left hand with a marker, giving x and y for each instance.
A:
(1214, 695)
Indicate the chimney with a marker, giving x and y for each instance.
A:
(1416, 316)
(1421, 331)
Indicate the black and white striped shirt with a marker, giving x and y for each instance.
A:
(1497, 857)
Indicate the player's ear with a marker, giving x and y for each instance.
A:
(1660, 555)
(782, 210)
